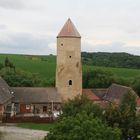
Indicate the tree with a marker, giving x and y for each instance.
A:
(20, 78)
(136, 85)
(83, 127)
(9, 64)
(97, 79)
(78, 104)
(128, 116)
(124, 116)
(1, 66)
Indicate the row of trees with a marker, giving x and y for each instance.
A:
(123, 60)
(84, 120)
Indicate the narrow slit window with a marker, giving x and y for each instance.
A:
(70, 82)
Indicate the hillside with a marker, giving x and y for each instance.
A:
(45, 65)
(122, 60)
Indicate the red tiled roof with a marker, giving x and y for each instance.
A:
(138, 102)
(89, 93)
(69, 30)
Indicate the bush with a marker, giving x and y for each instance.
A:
(78, 104)
(83, 127)
(1, 66)
(136, 85)
(20, 78)
(97, 79)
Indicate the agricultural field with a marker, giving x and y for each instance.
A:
(45, 66)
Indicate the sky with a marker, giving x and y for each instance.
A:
(31, 26)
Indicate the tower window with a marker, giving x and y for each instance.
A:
(61, 44)
(70, 56)
(70, 82)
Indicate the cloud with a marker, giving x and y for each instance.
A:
(111, 47)
(27, 44)
(3, 26)
(11, 4)
(105, 25)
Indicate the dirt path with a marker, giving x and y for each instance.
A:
(15, 133)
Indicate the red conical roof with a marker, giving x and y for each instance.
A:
(69, 30)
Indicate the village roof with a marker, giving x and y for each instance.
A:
(69, 30)
(138, 102)
(5, 93)
(90, 95)
(100, 92)
(116, 92)
(35, 95)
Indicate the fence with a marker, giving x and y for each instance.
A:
(23, 119)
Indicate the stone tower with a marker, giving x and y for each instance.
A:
(69, 70)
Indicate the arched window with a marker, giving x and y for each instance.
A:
(70, 82)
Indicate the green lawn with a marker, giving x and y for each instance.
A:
(36, 126)
(120, 72)
(45, 66)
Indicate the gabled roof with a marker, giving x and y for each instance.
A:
(116, 92)
(90, 94)
(35, 95)
(100, 92)
(5, 93)
(69, 30)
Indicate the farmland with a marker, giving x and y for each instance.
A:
(45, 66)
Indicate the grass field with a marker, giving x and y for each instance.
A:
(36, 126)
(45, 66)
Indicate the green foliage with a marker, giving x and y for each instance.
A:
(9, 64)
(1, 66)
(83, 127)
(99, 78)
(81, 120)
(44, 67)
(78, 104)
(123, 60)
(136, 85)
(20, 78)
(124, 116)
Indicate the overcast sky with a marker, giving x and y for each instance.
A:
(31, 26)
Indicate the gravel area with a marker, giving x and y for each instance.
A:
(15, 133)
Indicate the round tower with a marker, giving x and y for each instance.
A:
(69, 70)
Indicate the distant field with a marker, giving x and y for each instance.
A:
(45, 66)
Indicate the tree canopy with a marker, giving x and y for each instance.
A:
(123, 60)
(83, 127)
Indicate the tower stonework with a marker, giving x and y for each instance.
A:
(69, 70)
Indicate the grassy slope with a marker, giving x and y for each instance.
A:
(46, 68)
